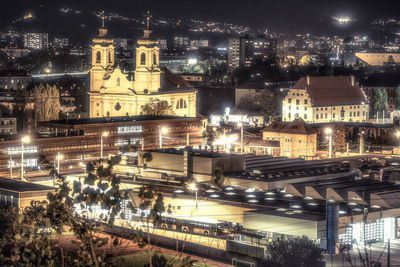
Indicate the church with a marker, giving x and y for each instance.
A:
(114, 93)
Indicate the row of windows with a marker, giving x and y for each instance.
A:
(298, 101)
(130, 129)
(181, 104)
(17, 150)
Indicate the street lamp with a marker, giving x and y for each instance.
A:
(26, 139)
(328, 131)
(103, 134)
(240, 125)
(163, 130)
(362, 142)
(193, 187)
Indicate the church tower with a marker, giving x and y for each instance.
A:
(102, 57)
(147, 73)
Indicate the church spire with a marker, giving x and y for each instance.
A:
(147, 31)
(102, 19)
(102, 30)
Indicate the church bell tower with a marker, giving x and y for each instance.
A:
(103, 57)
(147, 73)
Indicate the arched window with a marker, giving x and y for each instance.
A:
(177, 105)
(342, 113)
(184, 102)
(143, 59)
(109, 58)
(98, 57)
(181, 103)
(154, 59)
(118, 82)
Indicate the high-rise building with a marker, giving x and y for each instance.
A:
(233, 53)
(61, 42)
(36, 41)
(244, 50)
(196, 44)
(163, 43)
(181, 42)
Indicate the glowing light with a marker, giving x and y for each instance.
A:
(105, 134)
(328, 130)
(193, 187)
(252, 201)
(164, 130)
(178, 191)
(214, 196)
(26, 139)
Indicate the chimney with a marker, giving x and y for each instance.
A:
(308, 79)
(352, 80)
(187, 163)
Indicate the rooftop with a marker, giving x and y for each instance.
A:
(19, 186)
(298, 126)
(332, 90)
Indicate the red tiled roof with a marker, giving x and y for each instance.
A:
(332, 90)
(297, 126)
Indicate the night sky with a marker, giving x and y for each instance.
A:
(261, 13)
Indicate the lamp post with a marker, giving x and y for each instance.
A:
(398, 137)
(362, 142)
(26, 139)
(103, 134)
(163, 130)
(328, 131)
(83, 166)
(59, 157)
(241, 136)
(193, 187)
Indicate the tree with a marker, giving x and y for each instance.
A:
(398, 97)
(297, 251)
(270, 104)
(47, 102)
(379, 101)
(157, 107)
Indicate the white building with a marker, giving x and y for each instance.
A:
(326, 99)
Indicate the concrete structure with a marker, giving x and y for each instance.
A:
(171, 162)
(379, 59)
(291, 223)
(20, 194)
(296, 139)
(114, 93)
(326, 99)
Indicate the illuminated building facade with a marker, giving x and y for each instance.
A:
(36, 41)
(114, 93)
(326, 99)
(79, 139)
(379, 59)
(296, 139)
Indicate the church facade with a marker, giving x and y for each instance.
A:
(114, 93)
